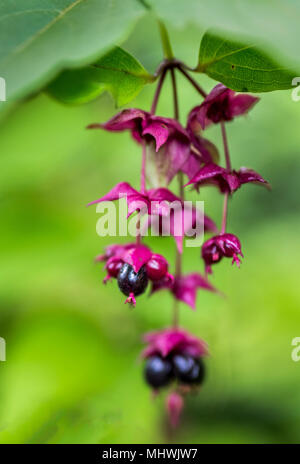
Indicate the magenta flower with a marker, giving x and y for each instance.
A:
(154, 201)
(224, 245)
(221, 104)
(184, 288)
(130, 119)
(170, 341)
(133, 265)
(166, 134)
(227, 181)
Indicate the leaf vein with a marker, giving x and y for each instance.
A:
(251, 80)
(215, 60)
(27, 42)
(38, 10)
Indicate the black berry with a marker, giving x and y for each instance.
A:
(158, 371)
(132, 282)
(188, 370)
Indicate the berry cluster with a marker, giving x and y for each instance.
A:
(170, 149)
(187, 370)
(174, 358)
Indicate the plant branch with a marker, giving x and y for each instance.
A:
(228, 166)
(175, 94)
(192, 81)
(158, 90)
(226, 148)
(143, 169)
(143, 189)
(225, 212)
(178, 262)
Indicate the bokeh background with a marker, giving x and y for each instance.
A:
(73, 373)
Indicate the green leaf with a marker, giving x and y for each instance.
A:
(40, 38)
(273, 25)
(117, 72)
(241, 67)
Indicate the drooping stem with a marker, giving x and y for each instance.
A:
(178, 259)
(175, 95)
(165, 41)
(158, 90)
(138, 232)
(192, 81)
(226, 148)
(228, 166)
(175, 318)
(143, 189)
(143, 168)
(225, 211)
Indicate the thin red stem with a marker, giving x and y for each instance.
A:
(143, 189)
(225, 212)
(228, 166)
(178, 262)
(143, 169)
(158, 90)
(138, 235)
(193, 82)
(178, 259)
(175, 94)
(226, 148)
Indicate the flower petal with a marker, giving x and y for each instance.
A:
(171, 151)
(207, 172)
(221, 104)
(137, 256)
(177, 152)
(228, 243)
(118, 191)
(125, 120)
(192, 165)
(185, 288)
(135, 200)
(165, 341)
(217, 95)
(159, 131)
(248, 175)
(242, 103)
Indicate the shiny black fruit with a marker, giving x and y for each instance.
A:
(188, 370)
(132, 282)
(158, 371)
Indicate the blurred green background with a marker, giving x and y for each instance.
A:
(73, 373)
